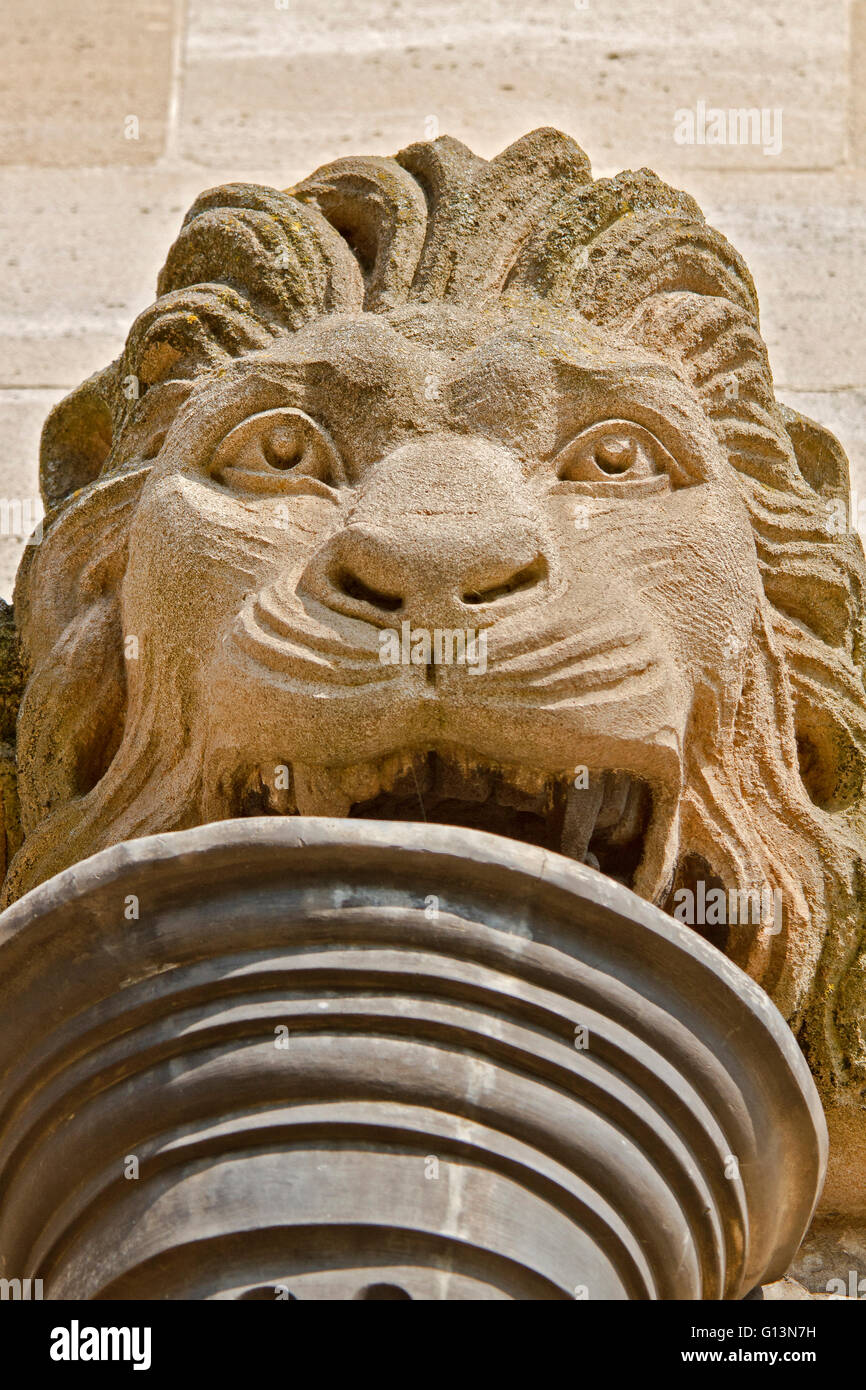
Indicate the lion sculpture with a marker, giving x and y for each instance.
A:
(431, 398)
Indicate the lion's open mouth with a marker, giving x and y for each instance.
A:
(600, 817)
(602, 823)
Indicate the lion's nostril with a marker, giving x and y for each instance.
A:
(353, 587)
(525, 578)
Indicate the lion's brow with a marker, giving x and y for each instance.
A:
(578, 374)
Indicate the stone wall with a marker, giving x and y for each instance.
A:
(113, 117)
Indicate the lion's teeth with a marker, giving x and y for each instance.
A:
(532, 781)
(251, 794)
(464, 778)
(581, 813)
(279, 789)
(396, 766)
(318, 791)
(617, 787)
(360, 782)
(631, 820)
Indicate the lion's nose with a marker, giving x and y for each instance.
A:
(433, 570)
(444, 531)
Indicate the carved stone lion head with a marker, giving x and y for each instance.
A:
(506, 404)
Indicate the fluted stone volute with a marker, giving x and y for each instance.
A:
(356, 1059)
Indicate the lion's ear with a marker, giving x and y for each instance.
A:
(68, 621)
(820, 457)
(76, 439)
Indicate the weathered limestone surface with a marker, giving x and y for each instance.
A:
(226, 93)
(430, 395)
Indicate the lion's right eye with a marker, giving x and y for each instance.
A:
(278, 451)
(618, 451)
(286, 446)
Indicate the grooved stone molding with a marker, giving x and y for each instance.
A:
(361, 1059)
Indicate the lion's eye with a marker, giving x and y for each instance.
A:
(617, 453)
(277, 451)
(286, 446)
(614, 450)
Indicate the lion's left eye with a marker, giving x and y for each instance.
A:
(278, 451)
(613, 451)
